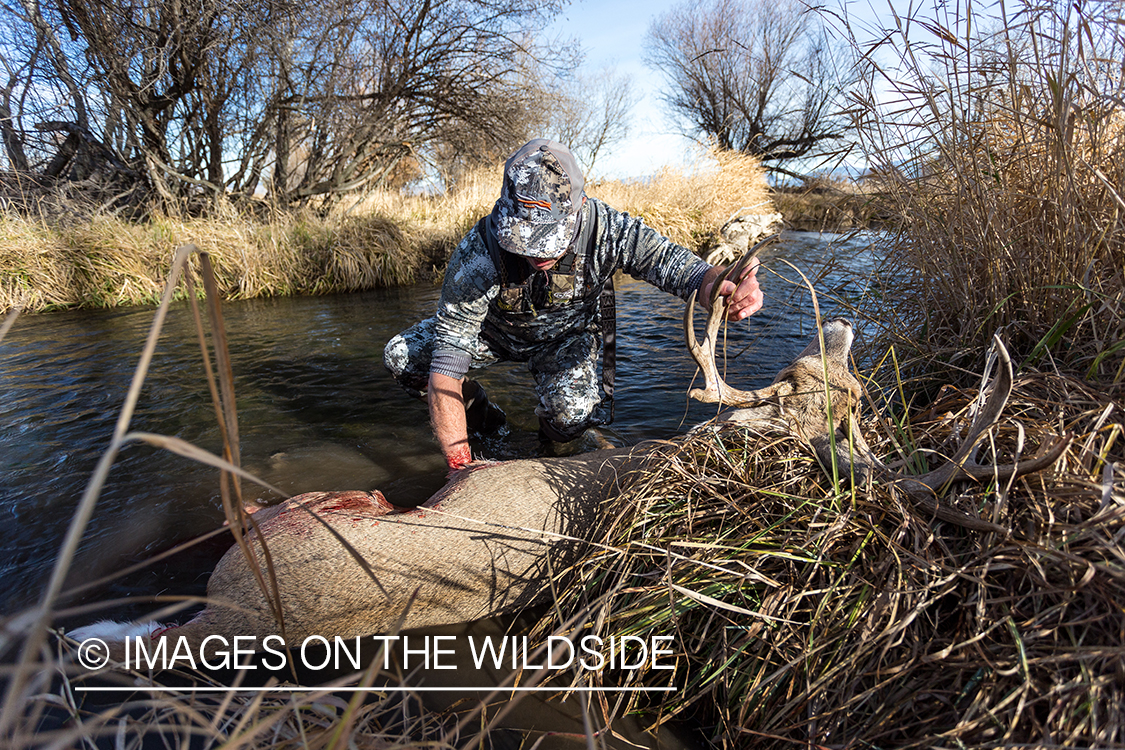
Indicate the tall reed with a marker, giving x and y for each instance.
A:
(997, 138)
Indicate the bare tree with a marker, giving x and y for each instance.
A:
(759, 76)
(590, 113)
(400, 77)
(304, 99)
(460, 149)
(43, 74)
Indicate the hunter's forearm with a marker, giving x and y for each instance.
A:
(447, 415)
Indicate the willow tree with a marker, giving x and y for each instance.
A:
(760, 76)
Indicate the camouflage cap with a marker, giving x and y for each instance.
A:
(537, 214)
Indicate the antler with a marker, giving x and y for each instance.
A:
(963, 463)
(716, 390)
(923, 490)
(857, 458)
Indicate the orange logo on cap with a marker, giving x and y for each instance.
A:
(545, 205)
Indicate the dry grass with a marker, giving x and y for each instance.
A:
(438, 222)
(806, 615)
(157, 711)
(826, 205)
(383, 238)
(1002, 158)
(690, 206)
(109, 261)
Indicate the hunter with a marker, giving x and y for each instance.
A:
(533, 282)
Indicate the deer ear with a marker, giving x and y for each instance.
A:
(779, 389)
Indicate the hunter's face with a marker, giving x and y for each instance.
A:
(543, 264)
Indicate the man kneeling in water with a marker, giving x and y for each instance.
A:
(532, 282)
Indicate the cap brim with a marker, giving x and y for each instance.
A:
(535, 239)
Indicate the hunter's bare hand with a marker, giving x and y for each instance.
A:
(744, 298)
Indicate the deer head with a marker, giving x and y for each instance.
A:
(798, 395)
(817, 398)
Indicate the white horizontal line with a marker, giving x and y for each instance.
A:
(377, 690)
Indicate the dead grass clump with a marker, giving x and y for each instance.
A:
(35, 273)
(366, 253)
(436, 222)
(806, 614)
(116, 262)
(821, 204)
(690, 206)
(1002, 156)
(108, 261)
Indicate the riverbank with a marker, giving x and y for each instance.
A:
(822, 205)
(380, 239)
(805, 608)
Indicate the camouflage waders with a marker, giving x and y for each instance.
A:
(566, 376)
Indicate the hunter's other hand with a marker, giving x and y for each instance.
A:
(744, 296)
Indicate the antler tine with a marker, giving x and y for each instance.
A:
(716, 391)
(960, 464)
(704, 355)
(923, 490)
(858, 458)
(996, 401)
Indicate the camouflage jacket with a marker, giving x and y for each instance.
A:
(471, 304)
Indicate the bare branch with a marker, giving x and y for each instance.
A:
(760, 76)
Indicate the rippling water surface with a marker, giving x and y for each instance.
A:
(317, 410)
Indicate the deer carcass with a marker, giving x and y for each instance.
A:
(350, 564)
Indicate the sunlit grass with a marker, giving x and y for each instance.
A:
(999, 152)
(691, 205)
(383, 238)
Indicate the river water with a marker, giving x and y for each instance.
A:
(316, 410)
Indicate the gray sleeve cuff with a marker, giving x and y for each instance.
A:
(695, 280)
(453, 363)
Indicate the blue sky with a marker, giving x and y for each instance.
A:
(612, 33)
